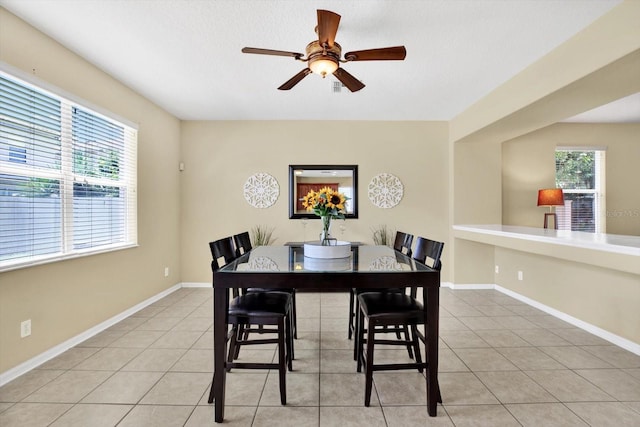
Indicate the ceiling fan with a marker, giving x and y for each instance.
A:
(323, 55)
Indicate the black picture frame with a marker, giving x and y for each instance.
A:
(336, 173)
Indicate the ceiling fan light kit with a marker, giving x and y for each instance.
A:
(323, 55)
(323, 61)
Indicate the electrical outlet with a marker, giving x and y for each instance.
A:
(520, 275)
(497, 269)
(166, 272)
(25, 328)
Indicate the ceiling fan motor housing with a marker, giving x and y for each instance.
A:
(316, 53)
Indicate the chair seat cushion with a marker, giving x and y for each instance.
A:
(260, 304)
(390, 305)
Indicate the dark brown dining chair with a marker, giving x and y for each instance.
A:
(402, 243)
(224, 250)
(378, 310)
(243, 245)
(256, 308)
(242, 242)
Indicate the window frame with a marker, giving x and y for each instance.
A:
(19, 165)
(598, 190)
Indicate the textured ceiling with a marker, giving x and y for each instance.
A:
(184, 55)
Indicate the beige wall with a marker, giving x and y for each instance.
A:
(66, 298)
(476, 176)
(220, 156)
(608, 299)
(598, 65)
(528, 164)
(179, 212)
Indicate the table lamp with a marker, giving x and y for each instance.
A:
(550, 197)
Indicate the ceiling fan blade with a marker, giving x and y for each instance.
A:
(260, 51)
(295, 79)
(327, 26)
(382, 54)
(348, 80)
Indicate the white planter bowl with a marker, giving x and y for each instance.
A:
(341, 249)
(327, 264)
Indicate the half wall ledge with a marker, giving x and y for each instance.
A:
(612, 251)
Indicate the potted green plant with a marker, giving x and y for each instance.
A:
(382, 235)
(262, 235)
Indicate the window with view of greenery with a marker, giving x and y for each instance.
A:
(580, 174)
(67, 177)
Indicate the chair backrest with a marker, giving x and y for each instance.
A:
(222, 252)
(403, 242)
(243, 243)
(428, 249)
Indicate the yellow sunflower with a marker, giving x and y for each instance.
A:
(309, 201)
(325, 202)
(336, 200)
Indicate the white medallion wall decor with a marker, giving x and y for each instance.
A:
(385, 190)
(261, 190)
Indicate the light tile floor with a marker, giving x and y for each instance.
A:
(502, 363)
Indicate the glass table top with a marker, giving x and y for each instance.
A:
(363, 258)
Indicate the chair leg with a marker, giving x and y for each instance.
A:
(352, 314)
(292, 328)
(213, 381)
(234, 348)
(294, 320)
(289, 342)
(416, 346)
(282, 365)
(368, 379)
(398, 336)
(356, 318)
(242, 335)
(405, 331)
(359, 344)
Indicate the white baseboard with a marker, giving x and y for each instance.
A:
(467, 286)
(196, 284)
(599, 332)
(38, 360)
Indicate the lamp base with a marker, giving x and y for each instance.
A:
(546, 220)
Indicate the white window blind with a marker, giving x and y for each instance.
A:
(67, 177)
(580, 172)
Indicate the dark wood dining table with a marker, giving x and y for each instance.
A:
(286, 267)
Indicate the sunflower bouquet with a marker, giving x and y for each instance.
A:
(328, 204)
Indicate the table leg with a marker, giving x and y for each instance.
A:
(432, 305)
(220, 311)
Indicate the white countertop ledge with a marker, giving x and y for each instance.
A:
(614, 243)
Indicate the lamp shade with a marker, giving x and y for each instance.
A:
(550, 197)
(323, 65)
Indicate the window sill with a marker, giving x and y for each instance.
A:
(32, 262)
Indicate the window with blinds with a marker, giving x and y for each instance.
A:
(67, 177)
(580, 174)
